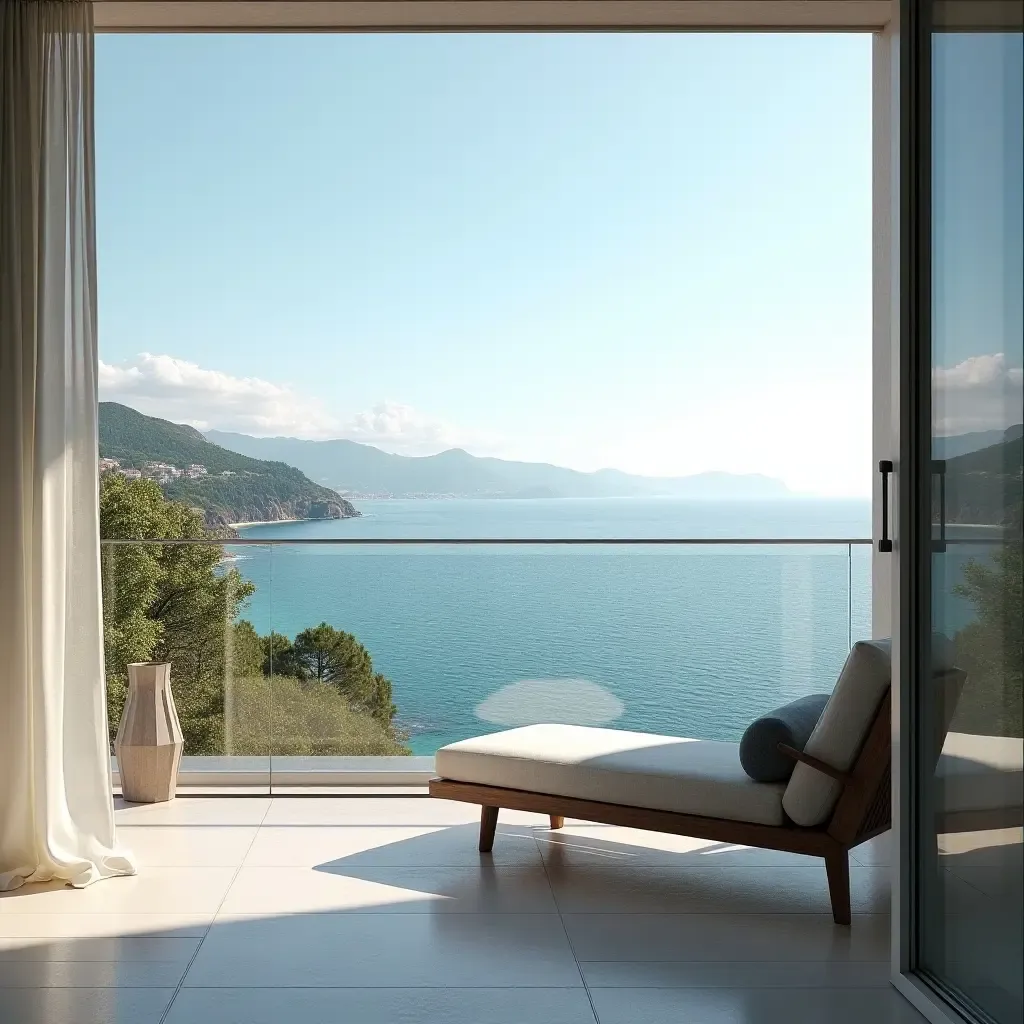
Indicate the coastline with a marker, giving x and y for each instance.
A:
(267, 522)
(308, 519)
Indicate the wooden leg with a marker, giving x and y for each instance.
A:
(488, 823)
(837, 867)
(557, 821)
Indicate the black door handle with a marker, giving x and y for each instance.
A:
(939, 468)
(885, 468)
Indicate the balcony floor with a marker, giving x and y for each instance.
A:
(317, 910)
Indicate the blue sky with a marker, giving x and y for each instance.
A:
(978, 226)
(651, 252)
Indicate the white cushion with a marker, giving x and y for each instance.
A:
(837, 738)
(634, 769)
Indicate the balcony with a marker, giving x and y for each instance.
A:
(681, 636)
(375, 905)
(261, 906)
(367, 909)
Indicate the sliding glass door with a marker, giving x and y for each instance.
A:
(963, 666)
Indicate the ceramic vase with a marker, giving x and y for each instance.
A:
(149, 739)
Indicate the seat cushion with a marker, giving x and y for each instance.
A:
(843, 727)
(840, 732)
(635, 769)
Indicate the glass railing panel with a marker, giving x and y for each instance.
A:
(684, 639)
(192, 606)
(296, 662)
(860, 590)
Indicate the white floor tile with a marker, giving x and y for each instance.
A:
(1004, 883)
(614, 888)
(381, 890)
(705, 974)
(874, 851)
(369, 909)
(395, 845)
(365, 810)
(609, 843)
(726, 937)
(156, 890)
(90, 974)
(195, 810)
(381, 1006)
(17, 927)
(387, 950)
(84, 1005)
(125, 948)
(200, 845)
(752, 1006)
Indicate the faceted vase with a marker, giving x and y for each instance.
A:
(149, 739)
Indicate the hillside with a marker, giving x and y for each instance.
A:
(257, 490)
(982, 485)
(362, 470)
(961, 444)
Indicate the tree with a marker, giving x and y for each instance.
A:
(167, 602)
(333, 656)
(991, 649)
(236, 691)
(378, 702)
(280, 658)
(246, 654)
(330, 655)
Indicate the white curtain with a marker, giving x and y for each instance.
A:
(56, 808)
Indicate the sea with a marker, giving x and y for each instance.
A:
(679, 639)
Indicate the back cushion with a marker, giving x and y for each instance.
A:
(837, 738)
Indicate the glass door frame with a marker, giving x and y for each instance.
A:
(909, 46)
(911, 420)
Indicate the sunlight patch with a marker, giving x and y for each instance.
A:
(564, 701)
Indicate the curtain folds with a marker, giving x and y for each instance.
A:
(56, 809)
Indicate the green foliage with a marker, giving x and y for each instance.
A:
(991, 648)
(289, 717)
(984, 485)
(327, 655)
(333, 656)
(279, 657)
(258, 490)
(178, 603)
(246, 650)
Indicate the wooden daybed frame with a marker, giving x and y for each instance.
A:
(862, 812)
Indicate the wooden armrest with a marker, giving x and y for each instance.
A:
(812, 762)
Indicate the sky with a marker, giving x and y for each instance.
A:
(651, 252)
(978, 231)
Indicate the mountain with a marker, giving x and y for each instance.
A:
(962, 444)
(253, 490)
(362, 470)
(985, 486)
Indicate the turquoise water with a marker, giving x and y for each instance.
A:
(682, 640)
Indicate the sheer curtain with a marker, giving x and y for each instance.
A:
(56, 809)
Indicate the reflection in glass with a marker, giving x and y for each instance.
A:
(970, 809)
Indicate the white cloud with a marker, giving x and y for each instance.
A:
(980, 393)
(177, 390)
(401, 429)
(173, 389)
